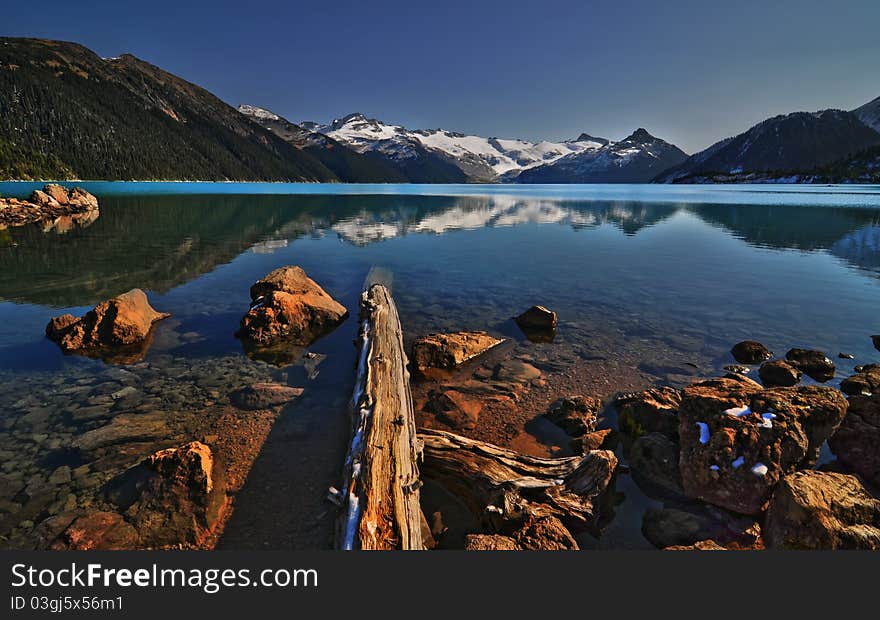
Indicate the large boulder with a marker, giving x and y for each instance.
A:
(175, 496)
(121, 322)
(857, 442)
(289, 306)
(451, 350)
(864, 383)
(814, 364)
(750, 352)
(52, 205)
(737, 441)
(576, 415)
(822, 510)
(651, 411)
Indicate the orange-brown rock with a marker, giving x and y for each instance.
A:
(98, 531)
(545, 534)
(174, 496)
(490, 542)
(289, 306)
(738, 441)
(455, 409)
(50, 203)
(590, 441)
(864, 383)
(538, 324)
(822, 510)
(576, 415)
(122, 321)
(451, 350)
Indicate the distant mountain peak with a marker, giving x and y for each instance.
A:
(640, 136)
(585, 137)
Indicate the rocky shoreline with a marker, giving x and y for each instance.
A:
(54, 204)
(733, 462)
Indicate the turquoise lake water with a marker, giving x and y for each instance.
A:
(665, 278)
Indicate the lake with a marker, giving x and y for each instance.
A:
(652, 285)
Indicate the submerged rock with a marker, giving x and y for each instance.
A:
(455, 409)
(538, 324)
(738, 441)
(822, 510)
(876, 341)
(651, 411)
(654, 458)
(779, 374)
(576, 415)
(865, 382)
(264, 395)
(113, 326)
(857, 442)
(750, 352)
(289, 306)
(814, 364)
(686, 526)
(451, 350)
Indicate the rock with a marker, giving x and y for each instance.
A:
(846, 356)
(490, 542)
(53, 206)
(124, 428)
(822, 510)
(576, 415)
(779, 373)
(174, 496)
(538, 324)
(544, 534)
(288, 306)
(264, 395)
(591, 441)
(651, 411)
(120, 322)
(60, 476)
(453, 408)
(738, 370)
(56, 192)
(654, 458)
(451, 350)
(674, 527)
(814, 364)
(750, 352)
(865, 382)
(516, 372)
(703, 545)
(876, 341)
(737, 441)
(98, 531)
(857, 442)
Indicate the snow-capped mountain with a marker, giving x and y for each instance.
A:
(638, 158)
(781, 146)
(478, 158)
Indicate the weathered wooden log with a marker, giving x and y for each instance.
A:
(503, 488)
(380, 496)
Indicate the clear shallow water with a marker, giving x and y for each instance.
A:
(659, 278)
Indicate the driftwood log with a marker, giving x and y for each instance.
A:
(504, 488)
(380, 495)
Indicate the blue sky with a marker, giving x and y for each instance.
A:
(689, 72)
